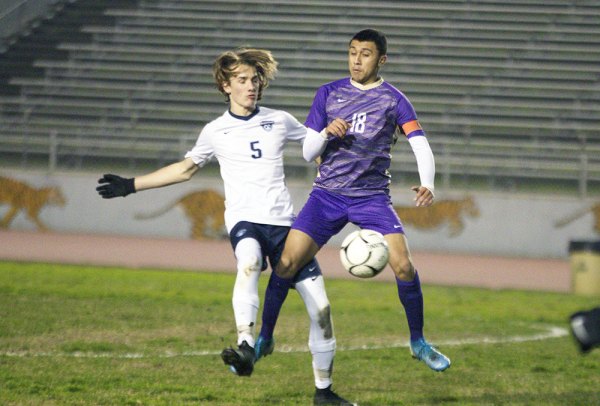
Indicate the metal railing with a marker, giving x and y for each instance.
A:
(524, 161)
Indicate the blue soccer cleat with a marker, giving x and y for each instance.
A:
(263, 347)
(427, 353)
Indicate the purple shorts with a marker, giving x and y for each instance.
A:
(325, 214)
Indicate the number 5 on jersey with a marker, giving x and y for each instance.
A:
(257, 151)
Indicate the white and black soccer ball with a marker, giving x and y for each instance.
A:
(364, 253)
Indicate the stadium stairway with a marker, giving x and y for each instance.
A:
(504, 89)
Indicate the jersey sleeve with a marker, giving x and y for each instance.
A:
(295, 131)
(317, 116)
(203, 151)
(405, 110)
(407, 118)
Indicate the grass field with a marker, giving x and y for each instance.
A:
(74, 335)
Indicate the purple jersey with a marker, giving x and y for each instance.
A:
(358, 164)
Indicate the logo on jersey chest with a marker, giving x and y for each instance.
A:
(267, 125)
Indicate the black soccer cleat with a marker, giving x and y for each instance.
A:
(240, 361)
(585, 328)
(328, 397)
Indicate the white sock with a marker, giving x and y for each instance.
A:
(321, 337)
(245, 298)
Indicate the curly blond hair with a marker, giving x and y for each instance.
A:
(260, 59)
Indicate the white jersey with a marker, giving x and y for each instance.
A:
(250, 154)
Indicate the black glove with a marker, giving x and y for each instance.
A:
(114, 186)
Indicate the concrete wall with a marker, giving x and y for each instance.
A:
(510, 225)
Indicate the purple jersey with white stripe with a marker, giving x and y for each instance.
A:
(357, 165)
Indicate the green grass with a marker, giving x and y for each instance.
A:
(73, 335)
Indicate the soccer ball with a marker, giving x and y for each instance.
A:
(364, 253)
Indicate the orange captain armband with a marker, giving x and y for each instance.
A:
(412, 126)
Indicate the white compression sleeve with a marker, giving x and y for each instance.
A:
(425, 160)
(314, 144)
(321, 339)
(245, 298)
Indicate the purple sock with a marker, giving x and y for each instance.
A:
(275, 295)
(411, 298)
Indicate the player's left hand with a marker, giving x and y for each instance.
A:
(424, 197)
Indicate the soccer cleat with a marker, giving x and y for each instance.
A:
(328, 397)
(427, 353)
(263, 347)
(585, 328)
(240, 361)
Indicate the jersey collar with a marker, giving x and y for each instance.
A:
(370, 86)
(245, 118)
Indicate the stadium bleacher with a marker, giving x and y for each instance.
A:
(505, 90)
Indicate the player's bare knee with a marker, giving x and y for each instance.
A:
(403, 269)
(285, 268)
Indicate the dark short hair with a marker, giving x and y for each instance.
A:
(373, 36)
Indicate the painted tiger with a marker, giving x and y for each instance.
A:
(20, 196)
(204, 208)
(594, 209)
(442, 212)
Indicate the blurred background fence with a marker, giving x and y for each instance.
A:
(508, 91)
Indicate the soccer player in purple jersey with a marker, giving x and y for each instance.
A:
(352, 184)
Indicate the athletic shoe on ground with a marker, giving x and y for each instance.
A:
(328, 397)
(585, 328)
(240, 361)
(263, 347)
(427, 353)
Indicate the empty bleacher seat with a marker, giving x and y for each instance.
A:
(519, 78)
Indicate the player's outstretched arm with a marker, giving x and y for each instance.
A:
(114, 186)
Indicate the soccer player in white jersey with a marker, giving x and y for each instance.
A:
(248, 141)
(352, 184)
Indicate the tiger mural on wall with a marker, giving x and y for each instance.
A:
(20, 196)
(204, 208)
(449, 212)
(594, 209)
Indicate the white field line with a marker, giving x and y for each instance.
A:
(548, 333)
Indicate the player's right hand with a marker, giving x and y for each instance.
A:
(115, 186)
(337, 128)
